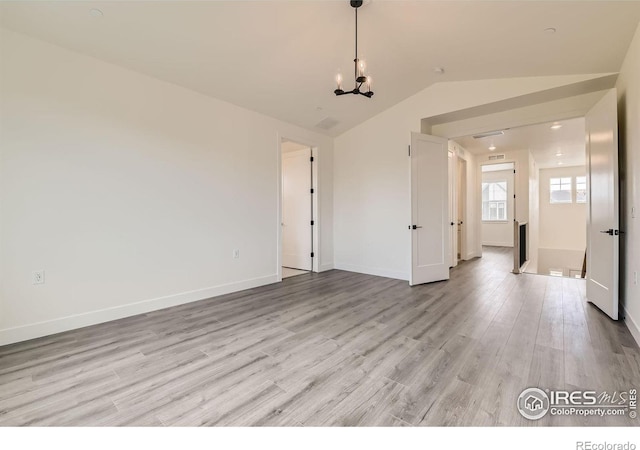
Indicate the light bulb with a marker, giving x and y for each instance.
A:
(339, 80)
(361, 66)
(369, 84)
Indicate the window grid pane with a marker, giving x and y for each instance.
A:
(560, 190)
(494, 201)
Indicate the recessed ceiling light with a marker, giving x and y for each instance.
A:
(492, 148)
(560, 163)
(95, 12)
(439, 70)
(559, 154)
(550, 30)
(556, 126)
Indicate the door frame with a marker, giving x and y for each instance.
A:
(479, 194)
(460, 191)
(315, 235)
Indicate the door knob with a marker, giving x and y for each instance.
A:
(415, 227)
(610, 232)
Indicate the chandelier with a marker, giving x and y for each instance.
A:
(360, 78)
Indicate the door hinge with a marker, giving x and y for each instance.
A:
(312, 254)
(514, 170)
(409, 150)
(311, 159)
(514, 195)
(312, 190)
(312, 222)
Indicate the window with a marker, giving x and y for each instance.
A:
(494, 201)
(581, 189)
(560, 189)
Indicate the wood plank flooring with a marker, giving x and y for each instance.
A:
(330, 349)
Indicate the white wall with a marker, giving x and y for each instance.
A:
(562, 237)
(562, 225)
(629, 134)
(371, 171)
(131, 193)
(534, 214)
(559, 260)
(500, 234)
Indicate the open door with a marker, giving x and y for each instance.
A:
(453, 209)
(603, 238)
(430, 245)
(296, 210)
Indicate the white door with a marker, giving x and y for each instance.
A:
(453, 210)
(461, 192)
(430, 245)
(296, 209)
(602, 218)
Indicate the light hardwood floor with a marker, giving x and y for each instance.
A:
(288, 272)
(335, 348)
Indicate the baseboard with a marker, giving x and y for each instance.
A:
(632, 326)
(325, 267)
(36, 330)
(470, 255)
(498, 244)
(372, 271)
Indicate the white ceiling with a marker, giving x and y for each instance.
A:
(543, 143)
(280, 57)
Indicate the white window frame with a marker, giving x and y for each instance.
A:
(562, 184)
(584, 177)
(497, 202)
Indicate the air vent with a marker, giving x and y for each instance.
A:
(327, 123)
(487, 134)
(495, 157)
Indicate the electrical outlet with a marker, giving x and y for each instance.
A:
(37, 277)
(633, 212)
(236, 254)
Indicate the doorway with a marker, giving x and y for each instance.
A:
(297, 213)
(597, 188)
(498, 204)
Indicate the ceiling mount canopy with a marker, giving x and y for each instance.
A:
(360, 77)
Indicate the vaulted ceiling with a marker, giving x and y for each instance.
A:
(280, 57)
